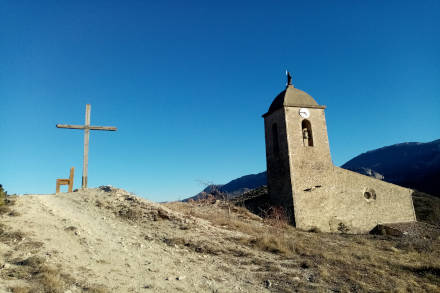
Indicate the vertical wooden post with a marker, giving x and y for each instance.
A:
(86, 146)
(72, 170)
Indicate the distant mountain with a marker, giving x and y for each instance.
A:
(235, 187)
(245, 183)
(412, 164)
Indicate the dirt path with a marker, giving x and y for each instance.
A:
(86, 236)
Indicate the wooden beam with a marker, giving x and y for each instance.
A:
(58, 186)
(109, 128)
(72, 170)
(70, 126)
(86, 147)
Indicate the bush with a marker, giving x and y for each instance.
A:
(3, 195)
(276, 216)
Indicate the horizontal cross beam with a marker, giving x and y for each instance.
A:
(109, 128)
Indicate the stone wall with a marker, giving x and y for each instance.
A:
(278, 169)
(344, 201)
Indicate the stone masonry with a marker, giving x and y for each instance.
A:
(303, 179)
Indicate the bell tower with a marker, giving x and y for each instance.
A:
(297, 147)
(303, 180)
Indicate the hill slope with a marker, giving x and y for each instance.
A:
(107, 240)
(110, 241)
(235, 187)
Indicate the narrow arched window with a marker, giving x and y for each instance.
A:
(307, 133)
(275, 143)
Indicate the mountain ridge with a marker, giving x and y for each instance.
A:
(413, 164)
(384, 163)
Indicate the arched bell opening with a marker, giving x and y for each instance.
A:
(307, 133)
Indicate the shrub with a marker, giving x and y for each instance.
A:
(276, 216)
(3, 195)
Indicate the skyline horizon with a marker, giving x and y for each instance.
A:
(204, 184)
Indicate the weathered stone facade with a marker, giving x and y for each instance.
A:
(302, 177)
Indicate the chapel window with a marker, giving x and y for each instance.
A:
(307, 134)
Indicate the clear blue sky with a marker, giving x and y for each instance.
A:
(186, 83)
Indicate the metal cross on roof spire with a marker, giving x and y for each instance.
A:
(289, 78)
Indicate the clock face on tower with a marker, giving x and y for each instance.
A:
(304, 113)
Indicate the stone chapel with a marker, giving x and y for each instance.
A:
(302, 178)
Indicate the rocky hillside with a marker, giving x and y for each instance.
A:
(108, 240)
(412, 164)
(235, 187)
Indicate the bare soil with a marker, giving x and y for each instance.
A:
(108, 240)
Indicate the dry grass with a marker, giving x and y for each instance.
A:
(95, 289)
(7, 236)
(197, 246)
(220, 214)
(272, 243)
(4, 209)
(5, 206)
(40, 276)
(323, 261)
(14, 213)
(129, 208)
(30, 246)
(21, 289)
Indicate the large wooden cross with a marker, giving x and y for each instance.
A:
(87, 129)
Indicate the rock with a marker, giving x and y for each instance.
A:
(148, 237)
(268, 283)
(392, 248)
(180, 278)
(106, 188)
(386, 230)
(296, 279)
(311, 278)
